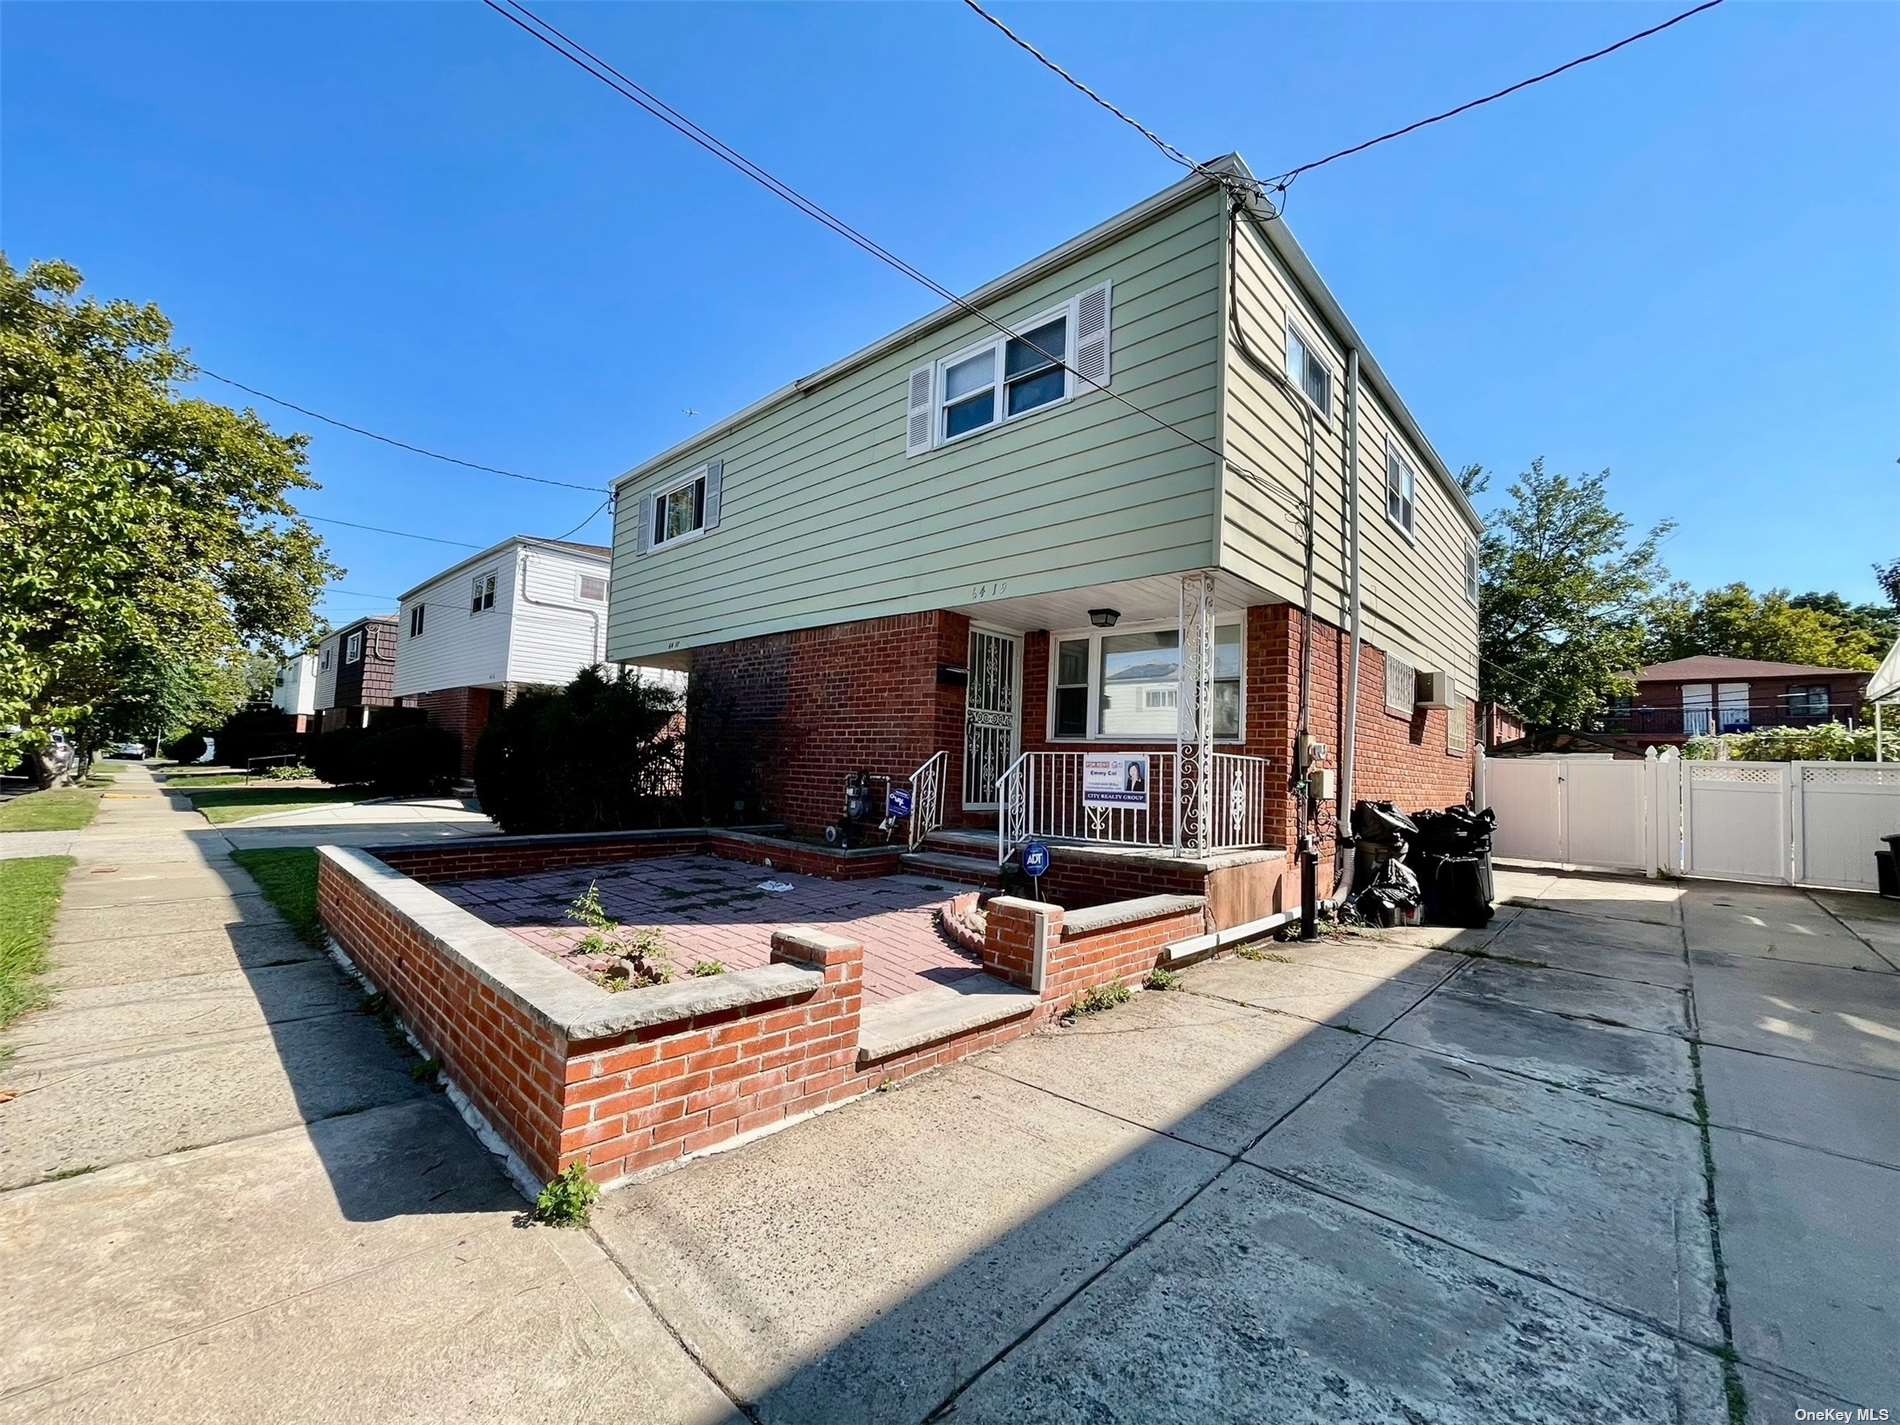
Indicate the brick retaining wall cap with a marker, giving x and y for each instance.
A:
(1165, 860)
(1103, 917)
(547, 992)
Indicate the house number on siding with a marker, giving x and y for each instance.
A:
(990, 591)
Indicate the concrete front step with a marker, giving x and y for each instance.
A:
(930, 1016)
(946, 866)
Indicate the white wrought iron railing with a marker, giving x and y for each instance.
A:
(926, 797)
(1040, 799)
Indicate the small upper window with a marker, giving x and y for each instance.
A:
(1308, 371)
(353, 650)
(326, 657)
(679, 511)
(1401, 488)
(1471, 575)
(482, 594)
(593, 587)
(415, 620)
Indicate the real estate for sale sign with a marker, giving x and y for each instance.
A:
(1115, 779)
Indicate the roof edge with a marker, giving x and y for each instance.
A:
(537, 541)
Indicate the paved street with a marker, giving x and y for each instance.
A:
(1430, 1175)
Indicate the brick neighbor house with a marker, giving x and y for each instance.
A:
(356, 671)
(956, 559)
(526, 611)
(1694, 697)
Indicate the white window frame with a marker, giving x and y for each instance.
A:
(417, 619)
(1408, 499)
(998, 347)
(652, 504)
(1315, 353)
(482, 587)
(1094, 637)
(1471, 574)
(580, 588)
(353, 648)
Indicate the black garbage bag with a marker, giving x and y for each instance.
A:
(1382, 824)
(1456, 831)
(1390, 894)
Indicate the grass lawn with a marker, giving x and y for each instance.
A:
(288, 878)
(221, 805)
(29, 894)
(62, 809)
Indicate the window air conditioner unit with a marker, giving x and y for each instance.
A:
(1434, 689)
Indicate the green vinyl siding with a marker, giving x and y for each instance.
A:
(1412, 592)
(825, 519)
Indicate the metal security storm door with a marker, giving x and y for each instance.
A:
(992, 714)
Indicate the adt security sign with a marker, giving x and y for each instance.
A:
(897, 804)
(1035, 860)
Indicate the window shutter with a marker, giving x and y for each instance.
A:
(919, 417)
(714, 471)
(1091, 338)
(644, 523)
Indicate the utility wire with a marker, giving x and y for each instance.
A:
(586, 522)
(1281, 183)
(585, 59)
(390, 439)
(400, 533)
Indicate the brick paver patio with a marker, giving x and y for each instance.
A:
(706, 908)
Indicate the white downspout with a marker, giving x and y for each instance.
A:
(596, 653)
(1342, 884)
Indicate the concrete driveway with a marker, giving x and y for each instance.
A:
(1428, 1175)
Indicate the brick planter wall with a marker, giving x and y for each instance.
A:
(1060, 953)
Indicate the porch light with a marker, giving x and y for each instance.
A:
(1104, 618)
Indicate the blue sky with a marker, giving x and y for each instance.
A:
(1677, 263)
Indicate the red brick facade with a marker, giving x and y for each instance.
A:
(804, 710)
(464, 712)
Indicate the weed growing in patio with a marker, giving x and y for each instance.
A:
(568, 1199)
(704, 968)
(1255, 950)
(425, 1071)
(1097, 998)
(637, 958)
(1161, 978)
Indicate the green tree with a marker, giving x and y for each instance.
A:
(1888, 577)
(1565, 593)
(1736, 622)
(145, 538)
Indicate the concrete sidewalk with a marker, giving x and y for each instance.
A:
(225, 1196)
(1440, 1176)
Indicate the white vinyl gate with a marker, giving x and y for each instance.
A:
(1786, 823)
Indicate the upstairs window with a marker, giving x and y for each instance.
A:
(482, 595)
(353, 650)
(594, 588)
(327, 651)
(415, 620)
(1045, 361)
(679, 511)
(1401, 488)
(1308, 372)
(1471, 575)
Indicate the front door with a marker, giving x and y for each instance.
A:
(992, 714)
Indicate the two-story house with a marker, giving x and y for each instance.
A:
(295, 693)
(525, 611)
(356, 671)
(1698, 696)
(979, 561)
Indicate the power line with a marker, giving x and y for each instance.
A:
(399, 533)
(1471, 104)
(564, 534)
(1280, 183)
(586, 60)
(390, 439)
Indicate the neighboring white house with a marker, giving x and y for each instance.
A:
(526, 611)
(296, 690)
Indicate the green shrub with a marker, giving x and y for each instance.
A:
(187, 748)
(405, 760)
(337, 757)
(1097, 998)
(258, 732)
(568, 1199)
(601, 754)
(1828, 742)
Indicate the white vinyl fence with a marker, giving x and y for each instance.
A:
(1785, 823)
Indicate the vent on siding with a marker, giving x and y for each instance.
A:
(593, 587)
